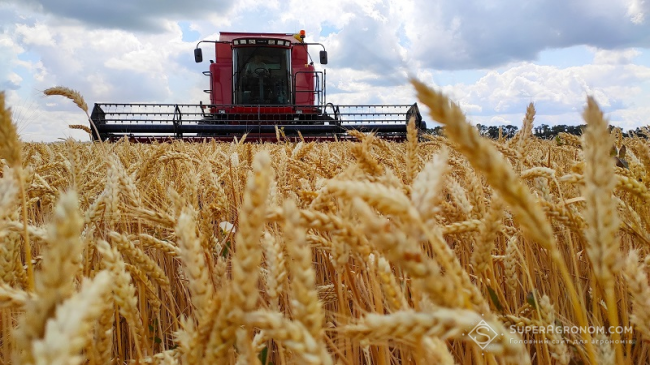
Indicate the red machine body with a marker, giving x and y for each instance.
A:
(221, 70)
(262, 85)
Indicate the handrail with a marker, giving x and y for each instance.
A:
(318, 92)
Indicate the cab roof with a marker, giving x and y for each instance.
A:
(230, 36)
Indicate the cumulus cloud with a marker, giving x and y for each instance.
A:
(135, 68)
(38, 35)
(142, 15)
(476, 34)
(636, 10)
(104, 65)
(615, 57)
(631, 118)
(555, 90)
(9, 50)
(479, 34)
(12, 83)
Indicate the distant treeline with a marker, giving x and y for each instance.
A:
(542, 131)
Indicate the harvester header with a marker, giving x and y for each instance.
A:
(262, 85)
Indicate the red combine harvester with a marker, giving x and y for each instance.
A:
(262, 85)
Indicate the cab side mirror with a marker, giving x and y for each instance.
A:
(198, 55)
(323, 57)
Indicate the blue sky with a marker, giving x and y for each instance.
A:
(493, 57)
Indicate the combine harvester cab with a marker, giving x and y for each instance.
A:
(262, 85)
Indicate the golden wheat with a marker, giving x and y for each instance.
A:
(366, 252)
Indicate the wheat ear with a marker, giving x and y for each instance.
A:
(194, 263)
(600, 213)
(637, 283)
(427, 185)
(10, 145)
(306, 308)
(77, 98)
(242, 293)
(292, 334)
(10, 151)
(73, 95)
(67, 333)
(202, 294)
(557, 346)
(124, 291)
(248, 255)
(103, 333)
(277, 270)
(13, 298)
(55, 282)
(411, 150)
(482, 255)
(8, 193)
(81, 127)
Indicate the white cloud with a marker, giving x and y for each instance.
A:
(636, 10)
(476, 34)
(633, 117)
(558, 90)
(142, 15)
(13, 81)
(615, 57)
(39, 72)
(9, 51)
(101, 88)
(38, 35)
(499, 120)
(144, 59)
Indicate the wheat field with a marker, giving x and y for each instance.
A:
(439, 250)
